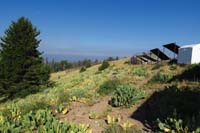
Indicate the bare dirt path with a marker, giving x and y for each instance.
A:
(79, 113)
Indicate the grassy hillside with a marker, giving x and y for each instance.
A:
(85, 97)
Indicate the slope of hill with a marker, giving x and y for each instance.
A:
(77, 97)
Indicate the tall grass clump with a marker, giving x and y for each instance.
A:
(108, 87)
(79, 93)
(156, 66)
(160, 78)
(139, 71)
(62, 97)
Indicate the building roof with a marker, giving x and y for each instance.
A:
(190, 46)
(160, 54)
(149, 57)
(141, 58)
(172, 47)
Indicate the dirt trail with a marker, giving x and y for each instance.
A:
(79, 113)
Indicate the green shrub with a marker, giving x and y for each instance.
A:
(157, 66)
(104, 65)
(127, 62)
(27, 107)
(126, 95)
(79, 93)
(42, 121)
(140, 71)
(62, 97)
(108, 87)
(87, 63)
(161, 78)
(60, 108)
(119, 129)
(171, 125)
(93, 115)
(28, 122)
(83, 69)
(173, 67)
(174, 125)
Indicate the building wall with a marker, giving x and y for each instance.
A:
(185, 55)
(195, 55)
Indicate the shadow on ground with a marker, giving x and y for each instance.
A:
(163, 104)
(192, 73)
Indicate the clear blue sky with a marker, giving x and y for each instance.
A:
(106, 27)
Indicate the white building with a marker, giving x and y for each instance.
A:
(189, 54)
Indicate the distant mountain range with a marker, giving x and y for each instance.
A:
(72, 58)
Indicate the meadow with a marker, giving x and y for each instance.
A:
(121, 98)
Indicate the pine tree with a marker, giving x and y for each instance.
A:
(21, 66)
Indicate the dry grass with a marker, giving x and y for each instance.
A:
(89, 81)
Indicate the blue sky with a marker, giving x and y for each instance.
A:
(106, 27)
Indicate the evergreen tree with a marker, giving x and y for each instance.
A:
(21, 66)
(104, 65)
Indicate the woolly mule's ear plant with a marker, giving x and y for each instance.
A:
(126, 95)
